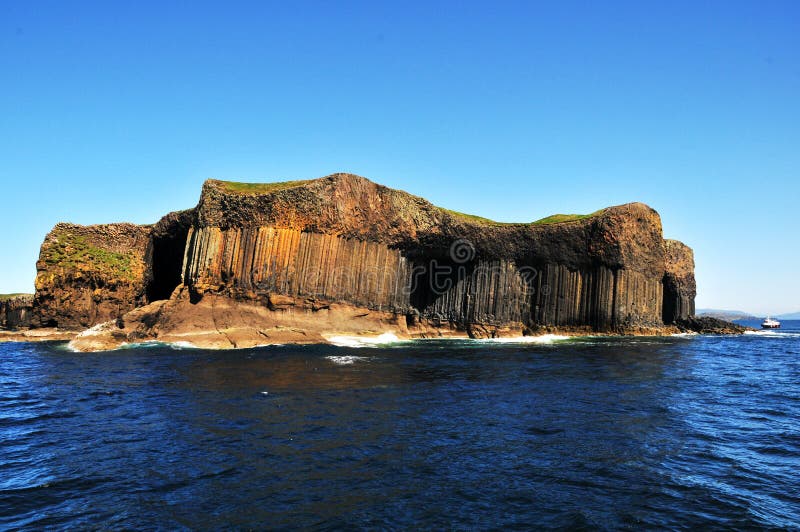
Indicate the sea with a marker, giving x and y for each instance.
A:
(682, 432)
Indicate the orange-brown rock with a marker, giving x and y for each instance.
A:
(679, 284)
(345, 238)
(218, 322)
(91, 274)
(255, 263)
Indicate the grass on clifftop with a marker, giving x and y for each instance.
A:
(6, 297)
(558, 218)
(473, 217)
(75, 251)
(553, 219)
(234, 187)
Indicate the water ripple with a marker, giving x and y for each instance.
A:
(697, 432)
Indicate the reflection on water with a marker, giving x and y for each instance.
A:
(597, 432)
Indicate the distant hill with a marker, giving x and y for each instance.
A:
(732, 315)
(728, 315)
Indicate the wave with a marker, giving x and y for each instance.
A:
(149, 344)
(773, 334)
(344, 360)
(541, 339)
(363, 341)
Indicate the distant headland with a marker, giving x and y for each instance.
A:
(300, 261)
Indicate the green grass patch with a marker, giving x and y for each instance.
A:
(559, 218)
(75, 251)
(258, 188)
(6, 297)
(471, 217)
(553, 219)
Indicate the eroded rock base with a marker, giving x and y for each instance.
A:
(220, 322)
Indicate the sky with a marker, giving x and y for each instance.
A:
(118, 111)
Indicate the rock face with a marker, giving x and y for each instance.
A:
(322, 255)
(91, 274)
(16, 311)
(679, 285)
(344, 238)
(709, 325)
(87, 275)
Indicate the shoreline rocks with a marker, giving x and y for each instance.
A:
(709, 325)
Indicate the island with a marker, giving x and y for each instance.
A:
(303, 261)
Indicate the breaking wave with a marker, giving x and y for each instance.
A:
(541, 339)
(363, 341)
(773, 334)
(344, 360)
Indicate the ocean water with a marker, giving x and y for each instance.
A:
(680, 432)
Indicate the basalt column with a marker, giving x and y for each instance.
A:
(249, 262)
(679, 283)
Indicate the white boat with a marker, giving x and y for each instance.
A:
(769, 323)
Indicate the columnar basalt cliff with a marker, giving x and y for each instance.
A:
(16, 311)
(679, 285)
(344, 238)
(296, 261)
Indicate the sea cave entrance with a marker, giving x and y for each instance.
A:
(167, 247)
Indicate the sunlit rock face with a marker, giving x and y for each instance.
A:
(679, 284)
(91, 274)
(343, 239)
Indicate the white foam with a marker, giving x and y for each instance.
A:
(136, 345)
(182, 344)
(346, 359)
(540, 339)
(97, 329)
(684, 334)
(88, 333)
(363, 341)
(773, 334)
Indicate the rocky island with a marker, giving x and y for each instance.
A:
(304, 261)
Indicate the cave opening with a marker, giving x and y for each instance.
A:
(669, 303)
(440, 289)
(166, 263)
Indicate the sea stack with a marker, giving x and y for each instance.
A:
(299, 261)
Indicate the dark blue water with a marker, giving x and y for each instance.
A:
(609, 433)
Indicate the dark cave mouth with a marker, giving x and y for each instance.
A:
(166, 265)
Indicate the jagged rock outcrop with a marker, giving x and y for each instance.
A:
(91, 274)
(709, 325)
(341, 252)
(16, 311)
(679, 284)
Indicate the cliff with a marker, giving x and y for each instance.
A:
(15, 311)
(91, 274)
(301, 259)
(679, 284)
(344, 238)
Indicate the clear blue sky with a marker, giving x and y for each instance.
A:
(117, 111)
